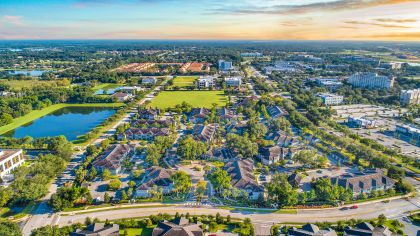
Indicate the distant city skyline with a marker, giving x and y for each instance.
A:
(211, 19)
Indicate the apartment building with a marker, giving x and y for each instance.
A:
(411, 96)
(329, 99)
(371, 80)
(233, 81)
(9, 160)
(225, 65)
(205, 82)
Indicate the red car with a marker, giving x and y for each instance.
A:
(354, 207)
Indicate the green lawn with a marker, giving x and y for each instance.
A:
(106, 86)
(168, 99)
(184, 81)
(20, 84)
(137, 231)
(35, 114)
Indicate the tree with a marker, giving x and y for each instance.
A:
(5, 195)
(182, 182)
(242, 144)
(220, 180)
(114, 184)
(8, 228)
(311, 158)
(106, 174)
(107, 198)
(201, 189)
(281, 124)
(281, 191)
(190, 149)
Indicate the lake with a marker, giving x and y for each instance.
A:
(69, 121)
(35, 73)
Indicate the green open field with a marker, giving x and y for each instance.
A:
(137, 231)
(106, 86)
(20, 84)
(35, 114)
(168, 99)
(184, 81)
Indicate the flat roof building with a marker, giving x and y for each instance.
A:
(371, 80)
(225, 65)
(329, 99)
(9, 160)
(233, 81)
(205, 82)
(411, 96)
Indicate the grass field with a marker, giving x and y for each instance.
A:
(168, 99)
(106, 86)
(184, 81)
(35, 114)
(20, 84)
(137, 231)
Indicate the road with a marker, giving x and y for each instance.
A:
(394, 210)
(43, 214)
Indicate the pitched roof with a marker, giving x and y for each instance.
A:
(366, 229)
(111, 158)
(179, 227)
(311, 230)
(156, 176)
(364, 180)
(241, 174)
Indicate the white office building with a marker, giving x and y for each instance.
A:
(233, 81)
(411, 96)
(9, 160)
(371, 80)
(330, 99)
(149, 81)
(205, 82)
(225, 65)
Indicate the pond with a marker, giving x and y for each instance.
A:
(35, 73)
(109, 91)
(69, 121)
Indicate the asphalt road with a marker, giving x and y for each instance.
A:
(396, 209)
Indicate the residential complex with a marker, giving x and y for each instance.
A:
(330, 83)
(205, 82)
(410, 131)
(113, 157)
(149, 81)
(411, 96)
(225, 65)
(9, 160)
(361, 122)
(179, 227)
(329, 99)
(364, 182)
(233, 81)
(371, 80)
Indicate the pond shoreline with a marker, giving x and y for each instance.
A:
(36, 114)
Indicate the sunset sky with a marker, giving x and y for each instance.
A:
(211, 19)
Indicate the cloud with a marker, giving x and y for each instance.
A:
(410, 36)
(354, 22)
(13, 20)
(391, 20)
(304, 8)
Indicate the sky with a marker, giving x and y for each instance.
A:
(389, 20)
